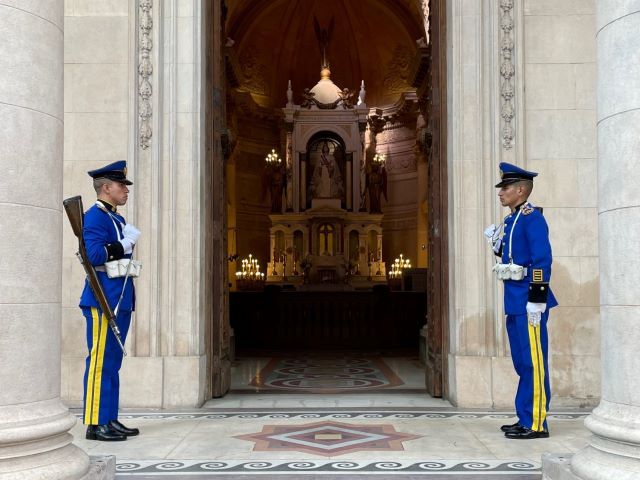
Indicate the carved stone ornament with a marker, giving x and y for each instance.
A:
(253, 71)
(507, 72)
(344, 100)
(424, 6)
(145, 71)
(396, 79)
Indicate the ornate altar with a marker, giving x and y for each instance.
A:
(323, 234)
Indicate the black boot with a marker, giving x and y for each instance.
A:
(121, 429)
(526, 434)
(104, 433)
(508, 428)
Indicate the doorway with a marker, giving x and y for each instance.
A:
(260, 95)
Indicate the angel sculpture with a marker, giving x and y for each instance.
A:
(346, 96)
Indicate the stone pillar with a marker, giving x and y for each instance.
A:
(614, 449)
(34, 424)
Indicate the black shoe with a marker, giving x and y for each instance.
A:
(526, 434)
(121, 429)
(509, 428)
(104, 433)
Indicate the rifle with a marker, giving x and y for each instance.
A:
(73, 207)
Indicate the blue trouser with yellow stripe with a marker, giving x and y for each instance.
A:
(529, 351)
(101, 378)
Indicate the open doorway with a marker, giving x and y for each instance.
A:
(264, 61)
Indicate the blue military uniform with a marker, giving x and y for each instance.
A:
(526, 243)
(102, 233)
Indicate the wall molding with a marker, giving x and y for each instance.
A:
(145, 71)
(507, 72)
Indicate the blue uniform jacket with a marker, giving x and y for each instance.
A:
(102, 229)
(531, 249)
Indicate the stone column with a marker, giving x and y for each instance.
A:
(614, 449)
(34, 424)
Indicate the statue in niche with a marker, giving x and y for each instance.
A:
(326, 180)
(377, 186)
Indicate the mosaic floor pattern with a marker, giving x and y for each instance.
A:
(326, 375)
(328, 438)
(331, 442)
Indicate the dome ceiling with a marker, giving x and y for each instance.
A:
(275, 40)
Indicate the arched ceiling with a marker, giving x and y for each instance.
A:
(275, 40)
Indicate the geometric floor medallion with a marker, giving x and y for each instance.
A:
(328, 438)
(338, 374)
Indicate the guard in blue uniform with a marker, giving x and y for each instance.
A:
(107, 238)
(525, 268)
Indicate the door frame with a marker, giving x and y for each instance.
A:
(432, 93)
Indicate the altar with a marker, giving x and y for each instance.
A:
(323, 230)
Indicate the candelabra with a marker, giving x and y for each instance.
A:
(272, 159)
(395, 274)
(250, 277)
(379, 159)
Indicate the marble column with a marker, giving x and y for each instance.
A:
(35, 442)
(614, 448)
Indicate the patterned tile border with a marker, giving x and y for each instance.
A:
(315, 467)
(330, 414)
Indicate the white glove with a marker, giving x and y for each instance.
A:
(492, 234)
(131, 233)
(534, 312)
(127, 245)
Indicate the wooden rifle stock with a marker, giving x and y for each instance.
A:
(73, 207)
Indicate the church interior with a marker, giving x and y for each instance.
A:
(326, 181)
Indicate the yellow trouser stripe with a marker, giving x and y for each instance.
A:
(94, 379)
(539, 392)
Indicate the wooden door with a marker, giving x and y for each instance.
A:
(215, 276)
(429, 78)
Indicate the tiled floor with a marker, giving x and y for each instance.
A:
(415, 437)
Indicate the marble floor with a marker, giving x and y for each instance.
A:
(399, 430)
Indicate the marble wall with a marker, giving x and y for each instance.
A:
(102, 44)
(554, 133)
(96, 132)
(560, 123)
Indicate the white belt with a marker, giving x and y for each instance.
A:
(509, 271)
(118, 268)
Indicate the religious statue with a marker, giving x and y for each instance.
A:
(275, 179)
(326, 181)
(376, 185)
